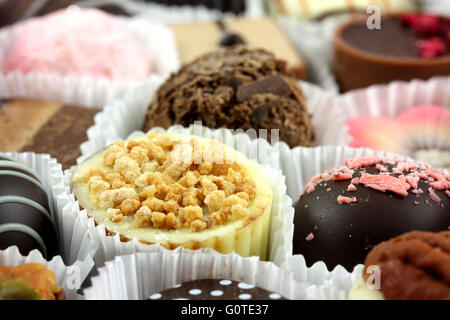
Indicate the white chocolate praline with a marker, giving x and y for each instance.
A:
(247, 236)
(360, 291)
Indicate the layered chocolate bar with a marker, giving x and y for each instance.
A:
(45, 127)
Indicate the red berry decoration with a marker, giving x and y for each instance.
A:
(431, 48)
(409, 18)
(427, 24)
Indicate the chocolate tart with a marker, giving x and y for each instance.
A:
(189, 204)
(364, 57)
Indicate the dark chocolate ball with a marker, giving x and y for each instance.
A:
(18, 167)
(27, 225)
(212, 289)
(18, 184)
(25, 212)
(343, 234)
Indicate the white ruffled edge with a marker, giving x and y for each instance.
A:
(75, 245)
(127, 277)
(119, 119)
(87, 91)
(301, 164)
(392, 99)
(282, 211)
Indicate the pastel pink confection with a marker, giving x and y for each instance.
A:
(425, 127)
(80, 42)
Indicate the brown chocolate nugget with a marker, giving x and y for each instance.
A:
(414, 266)
(235, 88)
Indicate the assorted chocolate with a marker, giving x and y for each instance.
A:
(348, 210)
(26, 219)
(405, 47)
(45, 127)
(30, 281)
(412, 266)
(212, 289)
(236, 88)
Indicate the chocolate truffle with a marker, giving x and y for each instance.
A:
(406, 47)
(413, 266)
(212, 289)
(234, 88)
(349, 209)
(25, 212)
(45, 127)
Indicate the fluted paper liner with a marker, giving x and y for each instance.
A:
(88, 91)
(118, 120)
(281, 227)
(76, 247)
(137, 276)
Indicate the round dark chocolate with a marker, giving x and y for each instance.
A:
(213, 289)
(18, 184)
(17, 215)
(343, 234)
(18, 167)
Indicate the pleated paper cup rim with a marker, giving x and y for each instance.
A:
(127, 277)
(389, 100)
(120, 118)
(69, 278)
(281, 233)
(88, 91)
(75, 246)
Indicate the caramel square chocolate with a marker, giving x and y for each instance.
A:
(45, 127)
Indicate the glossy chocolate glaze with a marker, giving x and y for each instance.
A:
(393, 39)
(344, 233)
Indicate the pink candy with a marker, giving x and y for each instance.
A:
(81, 43)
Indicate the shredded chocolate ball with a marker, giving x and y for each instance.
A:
(234, 88)
(414, 266)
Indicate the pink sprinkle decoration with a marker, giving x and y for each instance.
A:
(447, 192)
(309, 237)
(346, 200)
(413, 180)
(385, 182)
(431, 48)
(416, 203)
(362, 162)
(355, 181)
(351, 188)
(433, 195)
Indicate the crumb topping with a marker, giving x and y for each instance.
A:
(166, 181)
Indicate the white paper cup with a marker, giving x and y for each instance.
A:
(138, 276)
(87, 91)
